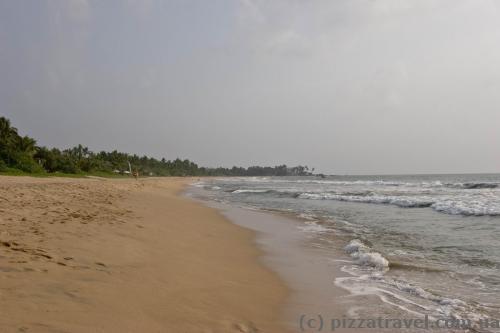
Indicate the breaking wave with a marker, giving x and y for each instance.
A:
(364, 255)
(401, 201)
(472, 186)
(379, 183)
(479, 204)
(250, 191)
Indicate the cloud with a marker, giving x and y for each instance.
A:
(75, 11)
(359, 79)
(142, 8)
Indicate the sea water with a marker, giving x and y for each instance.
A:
(424, 244)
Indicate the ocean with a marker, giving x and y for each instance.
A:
(423, 244)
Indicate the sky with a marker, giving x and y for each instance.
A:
(345, 86)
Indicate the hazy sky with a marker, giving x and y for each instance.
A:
(346, 86)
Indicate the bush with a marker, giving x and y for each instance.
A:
(26, 163)
(66, 165)
(3, 166)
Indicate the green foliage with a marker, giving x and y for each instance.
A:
(21, 153)
(26, 163)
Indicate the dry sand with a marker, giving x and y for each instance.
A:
(102, 255)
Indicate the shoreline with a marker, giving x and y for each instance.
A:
(120, 255)
(309, 272)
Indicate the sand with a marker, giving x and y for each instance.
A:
(103, 255)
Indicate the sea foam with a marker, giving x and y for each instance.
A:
(364, 256)
(477, 205)
(467, 207)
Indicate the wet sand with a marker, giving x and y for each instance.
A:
(101, 255)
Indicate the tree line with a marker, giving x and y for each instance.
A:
(22, 153)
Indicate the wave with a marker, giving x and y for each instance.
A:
(356, 182)
(434, 184)
(478, 205)
(364, 256)
(389, 183)
(271, 192)
(250, 191)
(472, 186)
(400, 201)
(467, 198)
(467, 207)
(313, 227)
(408, 296)
(448, 306)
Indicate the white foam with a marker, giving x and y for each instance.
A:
(249, 179)
(477, 204)
(359, 251)
(250, 191)
(468, 206)
(373, 259)
(401, 201)
(453, 302)
(307, 216)
(405, 296)
(312, 227)
(410, 289)
(357, 287)
(354, 245)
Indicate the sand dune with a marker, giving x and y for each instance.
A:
(93, 255)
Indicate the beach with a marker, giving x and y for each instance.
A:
(119, 255)
(237, 254)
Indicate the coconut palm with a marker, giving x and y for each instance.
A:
(26, 144)
(8, 137)
(7, 132)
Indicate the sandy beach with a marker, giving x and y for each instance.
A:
(105, 255)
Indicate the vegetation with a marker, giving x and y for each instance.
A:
(20, 155)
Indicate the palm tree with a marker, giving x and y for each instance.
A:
(26, 144)
(7, 132)
(8, 136)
